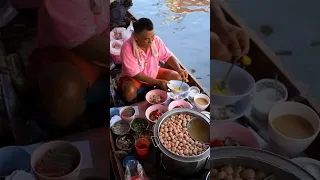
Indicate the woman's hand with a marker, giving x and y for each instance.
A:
(183, 74)
(234, 38)
(218, 50)
(162, 84)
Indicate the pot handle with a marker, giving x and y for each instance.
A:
(155, 141)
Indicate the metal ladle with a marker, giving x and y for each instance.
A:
(188, 126)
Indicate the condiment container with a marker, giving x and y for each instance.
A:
(142, 147)
(193, 90)
(201, 107)
(268, 93)
(292, 146)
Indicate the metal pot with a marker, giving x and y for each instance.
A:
(208, 176)
(180, 164)
(271, 164)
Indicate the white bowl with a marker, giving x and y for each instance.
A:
(290, 145)
(184, 87)
(241, 108)
(40, 152)
(240, 82)
(199, 106)
(267, 96)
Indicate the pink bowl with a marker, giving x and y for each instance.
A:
(179, 102)
(159, 92)
(237, 132)
(116, 59)
(153, 108)
(127, 118)
(39, 153)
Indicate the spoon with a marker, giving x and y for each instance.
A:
(222, 85)
(180, 84)
(188, 126)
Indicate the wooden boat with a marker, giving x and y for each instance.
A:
(265, 64)
(116, 102)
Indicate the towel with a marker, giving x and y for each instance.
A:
(20, 175)
(136, 51)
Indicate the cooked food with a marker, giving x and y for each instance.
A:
(214, 89)
(125, 142)
(128, 112)
(58, 161)
(147, 135)
(156, 99)
(139, 125)
(201, 101)
(155, 115)
(225, 142)
(222, 113)
(199, 130)
(293, 126)
(120, 127)
(236, 173)
(176, 88)
(180, 106)
(175, 137)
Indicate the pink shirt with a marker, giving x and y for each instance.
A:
(131, 66)
(69, 23)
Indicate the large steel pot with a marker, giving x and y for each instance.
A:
(270, 163)
(173, 162)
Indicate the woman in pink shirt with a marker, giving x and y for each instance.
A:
(140, 56)
(72, 39)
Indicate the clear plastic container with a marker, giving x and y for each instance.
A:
(193, 90)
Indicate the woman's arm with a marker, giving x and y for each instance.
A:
(217, 17)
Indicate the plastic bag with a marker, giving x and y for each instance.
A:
(126, 34)
(134, 171)
(116, 33)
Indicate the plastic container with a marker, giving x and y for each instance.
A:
(39, 153)
(240, 83)
(221, 130)
(115, 52)
(153, 108)
(268, 94)
(158, 92)
(114, 111)
(179, 102)
(142, 147)
(193, 90)
(184, 87)
(126, 117)
(200, 106)
(126, 160)
(292, 146)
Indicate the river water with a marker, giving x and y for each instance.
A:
(184, 27)
(295, 28)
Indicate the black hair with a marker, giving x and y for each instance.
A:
(142, 24)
